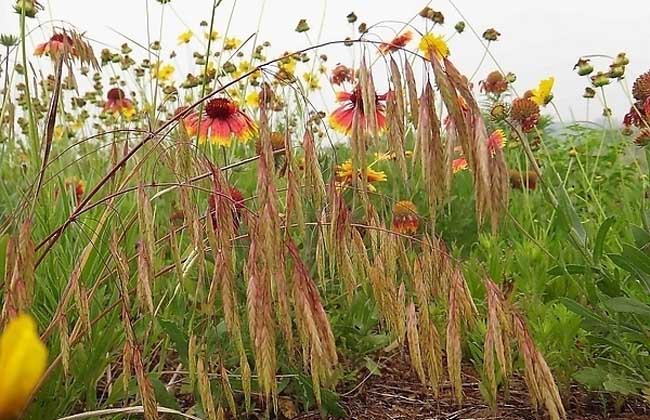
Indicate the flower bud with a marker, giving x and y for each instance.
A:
(351, 17)
(584, 67)
(460, 27)
(621, 60)
(29, 7)
(600, 79)
(616, 71)
(302, 26)
(589, 93)
(491, 35)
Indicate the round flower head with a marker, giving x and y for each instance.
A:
(342, 118)
(405, 218)
(221, 121)
(525, 112)
(434, 46)
(345, 173)
(55, 46)
(341, 74)
(118, 103)
(494, 83)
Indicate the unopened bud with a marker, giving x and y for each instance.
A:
(600, 79)
(584, 67)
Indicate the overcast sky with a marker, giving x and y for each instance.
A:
(539, 38)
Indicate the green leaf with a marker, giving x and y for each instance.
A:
(631, 268)
(561, 270)
(4, 239)
(570, 217)
(620, 385)
(177, 336)
(585, 313)
(628, 305)
(601, 236)
(162, 395)
(372, 366)
(641, 236)
(591, 377)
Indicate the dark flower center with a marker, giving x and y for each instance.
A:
(115, 94)
(61, 38)
(220, 108)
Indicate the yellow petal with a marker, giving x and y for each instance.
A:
(23, 358)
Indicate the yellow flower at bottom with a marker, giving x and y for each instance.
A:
(434, 44)
(23, 359)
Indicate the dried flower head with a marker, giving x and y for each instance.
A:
(494, 83)
(523, 180)
(399, 42)
(341, 74)
(491, 34)
(641, 87)
(525, 112)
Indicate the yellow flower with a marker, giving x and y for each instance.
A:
(23, 358)
(288, 66)
(162, 72)
(312, 81)
(58, 132)
(345, 172)
(542, 95)
(253, 99)
(212, 36)
(185, 37)
(231, 43)
(435, 44)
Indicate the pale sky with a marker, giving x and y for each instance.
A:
(539, 38)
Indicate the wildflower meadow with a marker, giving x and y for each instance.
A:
(220, 228)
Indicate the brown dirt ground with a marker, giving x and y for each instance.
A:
(397, 394)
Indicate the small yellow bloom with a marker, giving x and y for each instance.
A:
(288, 66)
(312, 81)
(543, 94)
(185, 37)
(253, 99)
(58, 132)
(162, 72)
(23, 358)
(212, 36)
(345, 173)
(434, 44)
(231, 43)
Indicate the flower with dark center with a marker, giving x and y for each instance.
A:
(342, 118)
(56, 45)
(221, 121)
(118, 103)
(405, 218)
(523, 180)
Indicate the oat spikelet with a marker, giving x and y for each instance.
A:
(431, 150)
(205, 391)
(144, 386)
(369, 99)
(537, 375)
(412, 91)
(314, 185)
(227, 390)
(497, 339)
(431, 350)
(19, 275)
(314, 327)
(462, 311)
(414, 342)
(64, 339)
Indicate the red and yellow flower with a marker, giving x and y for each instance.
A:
(405, 218)
(118, 103)
(396, 43)
(221, 121)
(345, 173)
(342, 118)
(55, 46)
